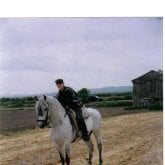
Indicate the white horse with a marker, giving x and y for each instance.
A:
(50, 111)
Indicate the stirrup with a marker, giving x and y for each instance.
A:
(85, 136)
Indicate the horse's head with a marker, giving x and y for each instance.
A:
(42, 111)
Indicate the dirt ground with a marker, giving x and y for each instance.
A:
(26, 118)
(131, 139)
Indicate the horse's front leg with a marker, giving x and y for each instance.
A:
(62, 158)
(61, 151)
(90, 148)
(67, 153)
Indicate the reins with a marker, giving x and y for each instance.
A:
(45, 121)
(59, 122)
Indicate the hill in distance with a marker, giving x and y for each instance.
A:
(116, 89)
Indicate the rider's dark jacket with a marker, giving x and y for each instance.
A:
(68, 97)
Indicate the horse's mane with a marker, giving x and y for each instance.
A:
(56, 105)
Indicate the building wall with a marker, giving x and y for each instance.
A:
(151, 89)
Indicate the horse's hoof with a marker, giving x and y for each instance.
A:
(101, 162)
(89, 161)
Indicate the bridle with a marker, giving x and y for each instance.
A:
(45, 122)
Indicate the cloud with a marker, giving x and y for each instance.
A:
(86, 52)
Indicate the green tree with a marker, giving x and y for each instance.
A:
(83, 95)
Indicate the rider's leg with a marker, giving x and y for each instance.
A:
(81, 124)
(73, 121)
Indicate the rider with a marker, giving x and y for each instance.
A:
(69, 99)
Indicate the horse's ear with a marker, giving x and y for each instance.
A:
(36, 98)
(45, 98)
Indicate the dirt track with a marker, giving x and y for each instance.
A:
(134, 139)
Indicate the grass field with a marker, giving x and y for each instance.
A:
(131, 139)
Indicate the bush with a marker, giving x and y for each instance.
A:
(134, 108)
(114, 103)
(83, 95)
(113, 94)
(114, 98)
(5, 99)
(157, 106)
(128, 97)
(30, 98)
(17, 102)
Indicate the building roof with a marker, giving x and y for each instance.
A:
(149, 75)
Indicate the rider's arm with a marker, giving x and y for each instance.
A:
(70, 96)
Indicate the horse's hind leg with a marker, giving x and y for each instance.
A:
(100, 153)
(90, 148)
(98, 138)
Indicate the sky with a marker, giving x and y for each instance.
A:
(85, 52)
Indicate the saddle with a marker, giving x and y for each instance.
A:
(73, 121)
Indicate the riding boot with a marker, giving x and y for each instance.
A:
(84, 130)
